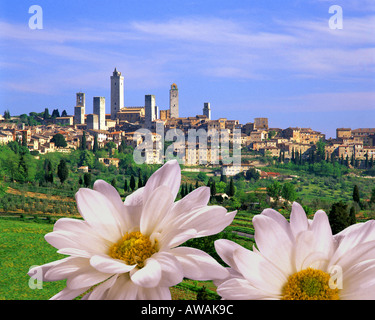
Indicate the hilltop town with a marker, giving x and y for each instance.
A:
(121, 124)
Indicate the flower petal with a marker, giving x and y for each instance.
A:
(86, 277)
(100, 292)
(298, 219)
(114, 197)
(87, 243)
(157, 293)
(155, 209)
(198, 265)
(64, 269)
(174, 237)
(99, 213)
(168, 175)
(274, 242)
(69, 294)
(240, 289)
(122, 289)
(225, 249)
(171, 270)
(260, 273)
(43, 269)
(149, 276)
(197, 198)
(206, 220)
(135, 198)
(108, 265)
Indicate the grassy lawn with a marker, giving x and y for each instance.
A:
(22, 245)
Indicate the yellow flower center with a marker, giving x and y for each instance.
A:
(309, 284)
(134, 248)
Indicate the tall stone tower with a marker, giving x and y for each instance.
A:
(79, 109)
(173, 101)
(99, 109)
(80, 99)
(150, 110)
(117, 93)
(207, 110)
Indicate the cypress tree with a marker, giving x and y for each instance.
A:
(231, 189)
(356, 194)
(132, 183)
(114, 182)
(83, 141)
(352, 218)
(87, 179)
(95, 148)
(338, 217)
(213, 188)
(62, 171)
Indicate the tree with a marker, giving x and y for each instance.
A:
(213, 188)
(132, 183)
(83, 141)
(114, 182)
(372, 199)
(126, 187)
(252, 174)
(140, 183)
(87, 179)
(59, 140)
(338, 217)
(86, 159)
(48, 172)
(352, 218)
(64, 114)
(274, 190)
(62, 171)
(320, 150)
(356, 194)
(6, 115)
(46, 114)
(201, 176)
(55, 113)
(231, 188)
(288, 192)
(95, 148)
(223, 177)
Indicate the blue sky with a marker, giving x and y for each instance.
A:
(255, 58)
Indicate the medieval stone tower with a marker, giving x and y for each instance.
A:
(173, 101)
(150, 110)
(99, 109)
(117, 93)
(79, 109)
(207, 110)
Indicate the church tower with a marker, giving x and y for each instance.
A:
(173, 101)
(117, 93)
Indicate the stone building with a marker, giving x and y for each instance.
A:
(117, 93)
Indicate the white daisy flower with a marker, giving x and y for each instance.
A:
(131, 249)
(300, 260)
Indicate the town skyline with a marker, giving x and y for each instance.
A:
(279, 61)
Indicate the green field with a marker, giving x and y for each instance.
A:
(23, 245)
